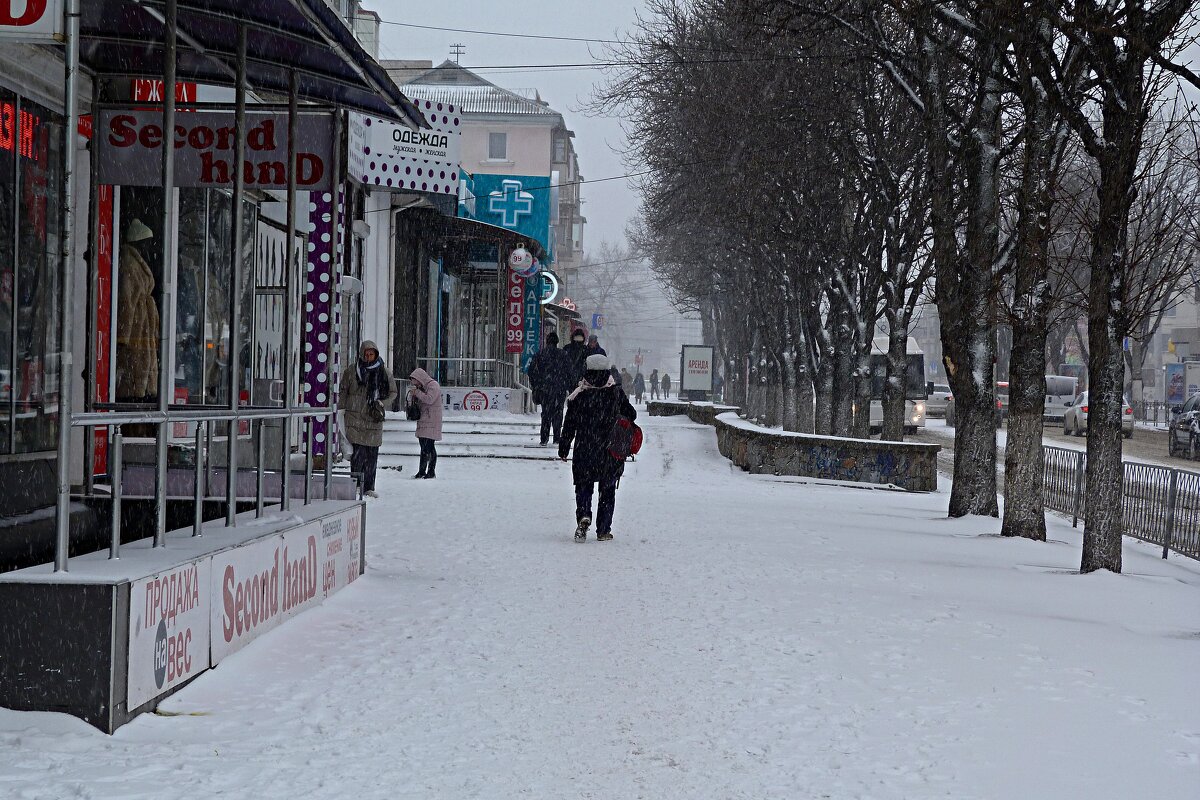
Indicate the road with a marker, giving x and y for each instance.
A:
(1148, 445)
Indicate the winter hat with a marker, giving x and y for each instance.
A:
(138, 231)
(593, 340)
(552, 339)
(598, 362)
(578, 332)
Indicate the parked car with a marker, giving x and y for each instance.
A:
(1183, 434)
(937, 396)
(1001, 405)
(1075, 418)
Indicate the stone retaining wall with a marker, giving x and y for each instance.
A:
(703, 413)
(763, 451)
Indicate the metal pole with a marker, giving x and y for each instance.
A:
(1172, 499)
(200, 485)
(167, 306)
(332, 375)
(1077, 506)
(93, 291)
(289, 386)
(308, 462)
(261, 457)
(235, 274)
(62, 521)
(115, 467)
(330, 422)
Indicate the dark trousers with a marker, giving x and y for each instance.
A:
(608, 503)
(653, 392)
(364, 460)
(428, 456)
(552, 417)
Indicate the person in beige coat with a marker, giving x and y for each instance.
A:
(367, 384)
(137, 320)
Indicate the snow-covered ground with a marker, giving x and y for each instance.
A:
(743, 637)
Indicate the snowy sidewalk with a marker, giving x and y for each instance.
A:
(741, 638)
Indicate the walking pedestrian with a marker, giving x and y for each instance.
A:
(363, 390)
(428, 394)
(653, 384)
(551, 375)
(594, 348)
(639, 385)
(625, 378)
(592, 413)
(666, 386)
(576, 351)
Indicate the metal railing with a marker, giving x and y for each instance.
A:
(1160, 505)
(206, 421)
(458, 372)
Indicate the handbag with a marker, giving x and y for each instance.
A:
(376, 411)
(412, 411)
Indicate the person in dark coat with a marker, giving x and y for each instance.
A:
(592, 412)
(653, 384)
(625, 378)
(366, 384)
(639, 385)
(575, 350)
(551, 375)
(666, 384)
(593, 347)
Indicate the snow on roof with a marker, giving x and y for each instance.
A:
(454, 85)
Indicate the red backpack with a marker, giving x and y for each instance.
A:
(626, 439)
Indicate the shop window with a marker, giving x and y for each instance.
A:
(31, 142)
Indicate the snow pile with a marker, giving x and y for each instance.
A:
(741, 638)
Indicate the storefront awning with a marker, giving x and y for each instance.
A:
(125, 38)
(463, 231)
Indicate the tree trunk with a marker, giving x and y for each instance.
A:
(1024, 455)
(1108, 324)
(895, 383)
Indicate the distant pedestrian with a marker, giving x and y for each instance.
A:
(576, 351)
(653, 384)
(718, 387)
(666, 386)
(592, 412)
(363, 390)
(626, 379)
(551, 375)
(639, 385)
(428, 394)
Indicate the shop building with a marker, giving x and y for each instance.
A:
(171, 331)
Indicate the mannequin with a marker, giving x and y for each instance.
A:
(137, 320)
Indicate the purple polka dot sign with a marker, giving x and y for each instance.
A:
(392, 156)
(320, 312)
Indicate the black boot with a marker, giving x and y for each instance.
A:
(421, 471)
(431, 473)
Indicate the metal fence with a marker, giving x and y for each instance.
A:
(1160, 505)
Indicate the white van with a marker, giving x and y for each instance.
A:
(1060, 393)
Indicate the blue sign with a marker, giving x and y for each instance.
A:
(597, 322)
(519, 203)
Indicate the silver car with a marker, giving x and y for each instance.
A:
(935, 403)
(1075, 419)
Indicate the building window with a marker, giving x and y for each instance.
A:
(560, 149)
(497, 146)
(31, 142)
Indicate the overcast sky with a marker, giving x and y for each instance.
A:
(607, 206)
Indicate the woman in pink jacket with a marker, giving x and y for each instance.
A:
(428, 394)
